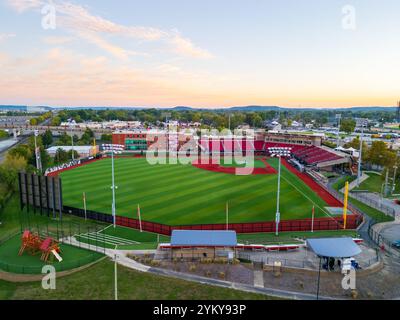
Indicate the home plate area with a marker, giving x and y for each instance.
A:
(111, 240)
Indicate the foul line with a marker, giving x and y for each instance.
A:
(310, 200)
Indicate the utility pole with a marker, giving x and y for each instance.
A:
(278, 214)
(386, 182)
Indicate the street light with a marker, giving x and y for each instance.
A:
(113, 148)
(278, 214)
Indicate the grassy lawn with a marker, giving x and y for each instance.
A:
(10, 261)
(96, 283)
(178, 194)
(145, 240)
(375, 214)
(374, 183)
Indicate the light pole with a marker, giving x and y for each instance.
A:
(386, 182)
(338, 117)
(394, 178)
(113, 148)
(113, 187)
(115, 278)
(72, 145)
(37, 154)
(278, 214)
(360, 153)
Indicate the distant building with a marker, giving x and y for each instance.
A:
(314, 139)
(272, 125)
(83, 151)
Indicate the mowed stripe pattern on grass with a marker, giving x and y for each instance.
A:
(183, 194)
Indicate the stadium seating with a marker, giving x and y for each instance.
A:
(308, 155)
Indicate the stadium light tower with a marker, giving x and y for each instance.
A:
(113, 148)
(278, 214)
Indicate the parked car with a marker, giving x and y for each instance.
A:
(396, 244)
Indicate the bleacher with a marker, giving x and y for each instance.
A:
(307, 155)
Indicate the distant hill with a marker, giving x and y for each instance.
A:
(229, 109)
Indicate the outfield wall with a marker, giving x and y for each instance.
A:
(320, 224)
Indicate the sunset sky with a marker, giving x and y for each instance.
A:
(203, 53)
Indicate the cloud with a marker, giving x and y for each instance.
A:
(57, 40)
(186, 47)
(5, 36)
(93, 28)
(24, 5)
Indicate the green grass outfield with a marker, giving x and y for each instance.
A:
(120, 237)
(183, 194)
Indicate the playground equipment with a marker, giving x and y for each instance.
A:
(33, 244)
(30, 243)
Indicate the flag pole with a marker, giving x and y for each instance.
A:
(312, 219)
(227, 216)
(346, 194)
(84, 204)
(140, 219)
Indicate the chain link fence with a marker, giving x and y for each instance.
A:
(65, 234)
(383, 243)
(378, 205)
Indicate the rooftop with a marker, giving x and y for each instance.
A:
(203, 238)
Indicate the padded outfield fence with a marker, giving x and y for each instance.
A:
(335, 223)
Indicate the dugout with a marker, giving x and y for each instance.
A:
(198, 244)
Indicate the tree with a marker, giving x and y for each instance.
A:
(47, 138)
(61, 156)
(377, 154)
(76, 154)
(3, 134)
(9, 171)
(347, 125)
(56, 121)
(106, 137)
(33, 122)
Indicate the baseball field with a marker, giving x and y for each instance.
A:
(184, 194)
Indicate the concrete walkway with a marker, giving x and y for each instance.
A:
(353, 184)
(259, 278)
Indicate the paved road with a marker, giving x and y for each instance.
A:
(4, 151)
(391, 232)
